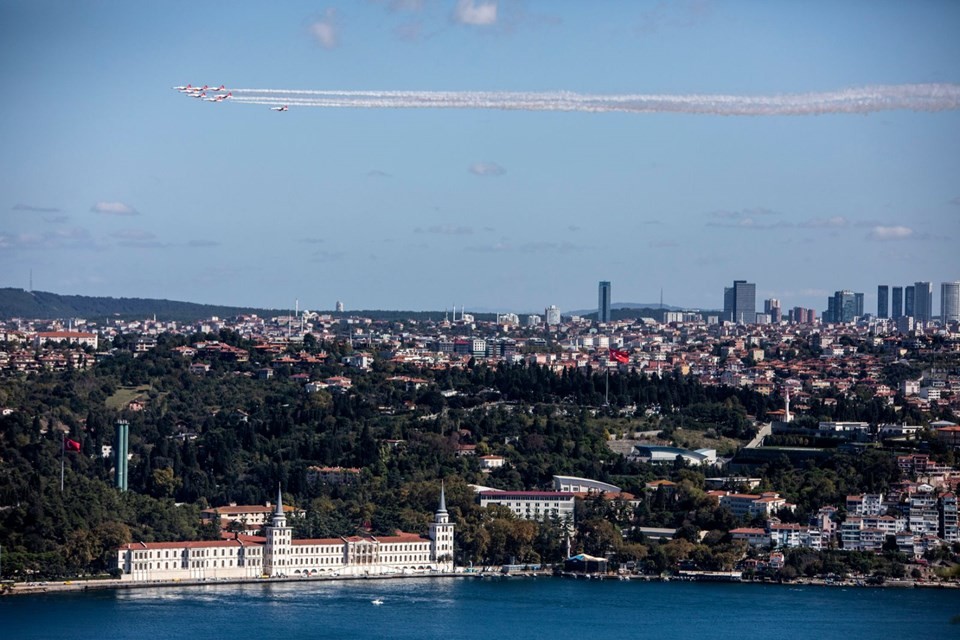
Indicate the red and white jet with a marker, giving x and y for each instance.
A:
(220, 98)
(201, 95)
(192, 90)
(283, 108)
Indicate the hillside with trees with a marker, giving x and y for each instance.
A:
(231, 434)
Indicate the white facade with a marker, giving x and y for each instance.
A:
(279, 555)
(552, 314)
(533, 505)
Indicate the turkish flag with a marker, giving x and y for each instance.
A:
(619, 356)
(71, 445)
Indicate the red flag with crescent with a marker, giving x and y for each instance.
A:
(619, 356)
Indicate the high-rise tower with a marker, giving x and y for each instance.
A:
(603, 302)
(923, 301)
(950, 301)
(897, 309)
(740, 302)
(883, 297)
(908, 302)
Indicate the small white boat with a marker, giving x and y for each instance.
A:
(377, 602)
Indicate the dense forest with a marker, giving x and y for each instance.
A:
(230, 436)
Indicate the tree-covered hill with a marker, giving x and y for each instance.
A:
(17, 303)
(231, 434)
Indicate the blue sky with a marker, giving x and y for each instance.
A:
(113, 184)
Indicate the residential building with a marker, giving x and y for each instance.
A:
(909, 299)
(923, 516)
(948, 518)
(749, 505)
(552, 314)
(491, 462)
(867, 504)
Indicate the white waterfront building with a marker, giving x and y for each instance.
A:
(280, 555)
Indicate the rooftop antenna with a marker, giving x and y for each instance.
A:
(31, 280)
(661, 298)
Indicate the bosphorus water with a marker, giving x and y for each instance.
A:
(464, 608)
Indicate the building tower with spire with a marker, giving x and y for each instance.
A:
(278, 549)
(441, 535)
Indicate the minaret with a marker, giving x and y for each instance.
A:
(441, 534)
(276, 552)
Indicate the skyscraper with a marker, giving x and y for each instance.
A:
(897, 309)
(740, 302)
(908, 302)
(603, 304)
(883, 293)
(923, 301)
(950, 301)
(552, 314)
(845, 306)
(772, 306)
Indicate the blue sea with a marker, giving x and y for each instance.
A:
(514, 608)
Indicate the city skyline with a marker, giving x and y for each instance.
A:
(117, 185)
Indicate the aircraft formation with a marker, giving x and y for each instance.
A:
(200, 93)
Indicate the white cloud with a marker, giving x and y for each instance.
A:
(114, 209)
(324, 30)
(475, 13)
(487, 169)
(882, 233)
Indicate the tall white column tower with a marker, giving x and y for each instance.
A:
(276, 552)
(441, 534)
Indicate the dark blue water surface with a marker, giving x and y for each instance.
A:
(490, 609)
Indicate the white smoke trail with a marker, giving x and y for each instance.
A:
(915, 97)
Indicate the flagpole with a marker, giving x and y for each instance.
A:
(63, 444)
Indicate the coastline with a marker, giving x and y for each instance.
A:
(68, 586)
(71, 586)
